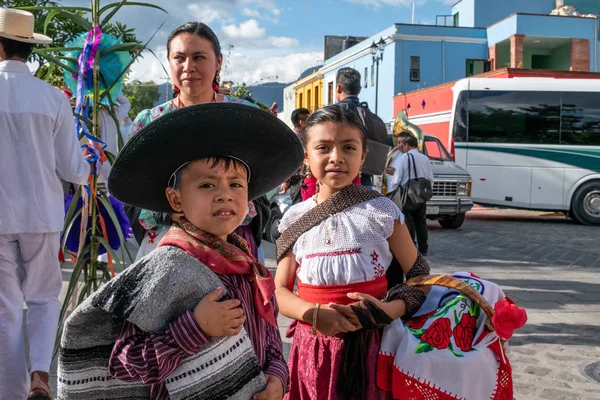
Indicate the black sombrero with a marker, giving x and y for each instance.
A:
(141, 172)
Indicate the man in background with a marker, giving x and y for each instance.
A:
(405, 164)
(39, 147)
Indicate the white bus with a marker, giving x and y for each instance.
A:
(530, 143)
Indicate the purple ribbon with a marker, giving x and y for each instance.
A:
(85, 80)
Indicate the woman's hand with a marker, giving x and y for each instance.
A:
(394, 309)
(330, 322)
(273, 391)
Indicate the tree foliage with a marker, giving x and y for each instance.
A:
(62, 30)
(141, 95)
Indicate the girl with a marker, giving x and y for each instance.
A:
(338, 246)
(338, 260)
(195, 61)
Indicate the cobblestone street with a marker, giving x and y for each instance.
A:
(548, 265)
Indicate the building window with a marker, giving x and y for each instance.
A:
(476, 67)
(300, 99)
(415, 69)
(455, 20)
(309, 100)
(366, 76)
(317, 105)
(372, 75)
(330, 93)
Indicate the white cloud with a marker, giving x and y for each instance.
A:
(204, 13)
(149, 68)
(246, 30)
(252, 68)
(277, 11)
(396, 3)
(282, 41)
(248, 12)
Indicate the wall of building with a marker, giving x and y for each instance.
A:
(466, 13)
(359, 58)
(443, 53)
(289, 103)
(310, 94)
(483, 13)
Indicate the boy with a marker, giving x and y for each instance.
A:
(196, 318)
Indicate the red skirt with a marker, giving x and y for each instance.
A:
(315, 361)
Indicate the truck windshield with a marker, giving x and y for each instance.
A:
(435, 150)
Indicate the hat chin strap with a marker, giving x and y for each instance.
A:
(173, 177)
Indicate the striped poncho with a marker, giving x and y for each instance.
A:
(150, 294)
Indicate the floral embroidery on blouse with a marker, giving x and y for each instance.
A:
(377, 267)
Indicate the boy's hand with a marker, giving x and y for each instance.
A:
(224, 318)
(273, 391)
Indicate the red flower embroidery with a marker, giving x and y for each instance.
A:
(378, 269)
(418, 322)
(507, 318)
(375, 256)
(438, 334)
(465, 331)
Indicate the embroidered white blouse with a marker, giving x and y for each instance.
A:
(348, 247)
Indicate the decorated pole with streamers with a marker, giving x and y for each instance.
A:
(94, 65)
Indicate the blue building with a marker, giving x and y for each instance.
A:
(478, 36)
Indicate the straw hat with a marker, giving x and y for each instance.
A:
(18, 25)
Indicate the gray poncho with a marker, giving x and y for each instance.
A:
(150, 294)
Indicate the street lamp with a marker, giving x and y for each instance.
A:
(377, 56)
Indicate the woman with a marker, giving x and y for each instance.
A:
(195, 61)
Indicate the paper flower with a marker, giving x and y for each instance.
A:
(507, 318)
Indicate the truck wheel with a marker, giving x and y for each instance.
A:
(452, 222)
(272, 231)
(586, 203)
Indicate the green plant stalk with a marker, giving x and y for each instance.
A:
(94, 249)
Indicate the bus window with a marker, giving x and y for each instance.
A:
(514, 117)
(580, 119)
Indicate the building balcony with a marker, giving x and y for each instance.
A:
(543, 42)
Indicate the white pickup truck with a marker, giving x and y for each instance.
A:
(451, 186)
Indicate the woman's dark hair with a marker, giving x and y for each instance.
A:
(202, 30)
(335, 113)
(14, 48)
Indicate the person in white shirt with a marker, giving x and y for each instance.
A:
(38, 147)
(398, 175)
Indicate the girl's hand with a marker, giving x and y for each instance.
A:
(331, 323)
(394, 309)
(273, 391)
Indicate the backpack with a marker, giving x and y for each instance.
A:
(377, 139)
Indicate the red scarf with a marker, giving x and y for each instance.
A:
(231, 257)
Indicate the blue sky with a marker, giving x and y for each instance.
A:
(273, 40)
